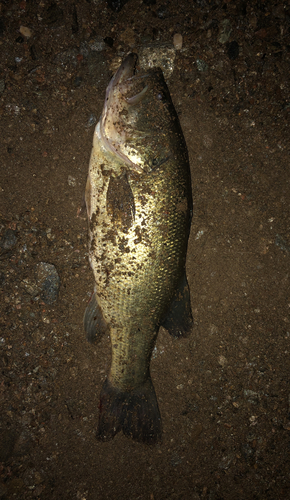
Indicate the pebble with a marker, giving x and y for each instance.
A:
(91, 121)
(25, 31)
(30, 287)
(71, 181)
(98, 44)
(8, 240)
(222, 361)
(177, 41)
(225, 31)
(201, 65)
(49, 282)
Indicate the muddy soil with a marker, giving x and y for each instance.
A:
(223, 392)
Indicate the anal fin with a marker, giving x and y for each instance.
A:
(178, 320)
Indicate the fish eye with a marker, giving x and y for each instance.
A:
(159, 96)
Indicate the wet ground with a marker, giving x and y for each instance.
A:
(224, 392)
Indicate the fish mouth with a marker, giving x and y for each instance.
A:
(125, 71)
(114, 133)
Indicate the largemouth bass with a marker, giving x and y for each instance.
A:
(138, 199)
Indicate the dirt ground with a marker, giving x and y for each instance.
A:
(223, 392)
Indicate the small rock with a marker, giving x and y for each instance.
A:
(49, 282)
(222, 361)
(177, 41)
(30, 287)
(91, 121)
(25, 31)
(71, 181)
(225, 31)
(201, 65)
(98, 44)
(8, 240)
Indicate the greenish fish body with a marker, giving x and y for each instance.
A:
(138, 198)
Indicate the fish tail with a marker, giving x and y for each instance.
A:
(135, 412)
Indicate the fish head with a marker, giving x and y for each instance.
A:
(136, 121)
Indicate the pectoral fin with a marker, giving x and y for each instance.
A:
(120, 202)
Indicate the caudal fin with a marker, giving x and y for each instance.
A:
(135, 412)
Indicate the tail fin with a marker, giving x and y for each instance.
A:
(135, 412)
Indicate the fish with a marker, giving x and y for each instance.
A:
(139, 205)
